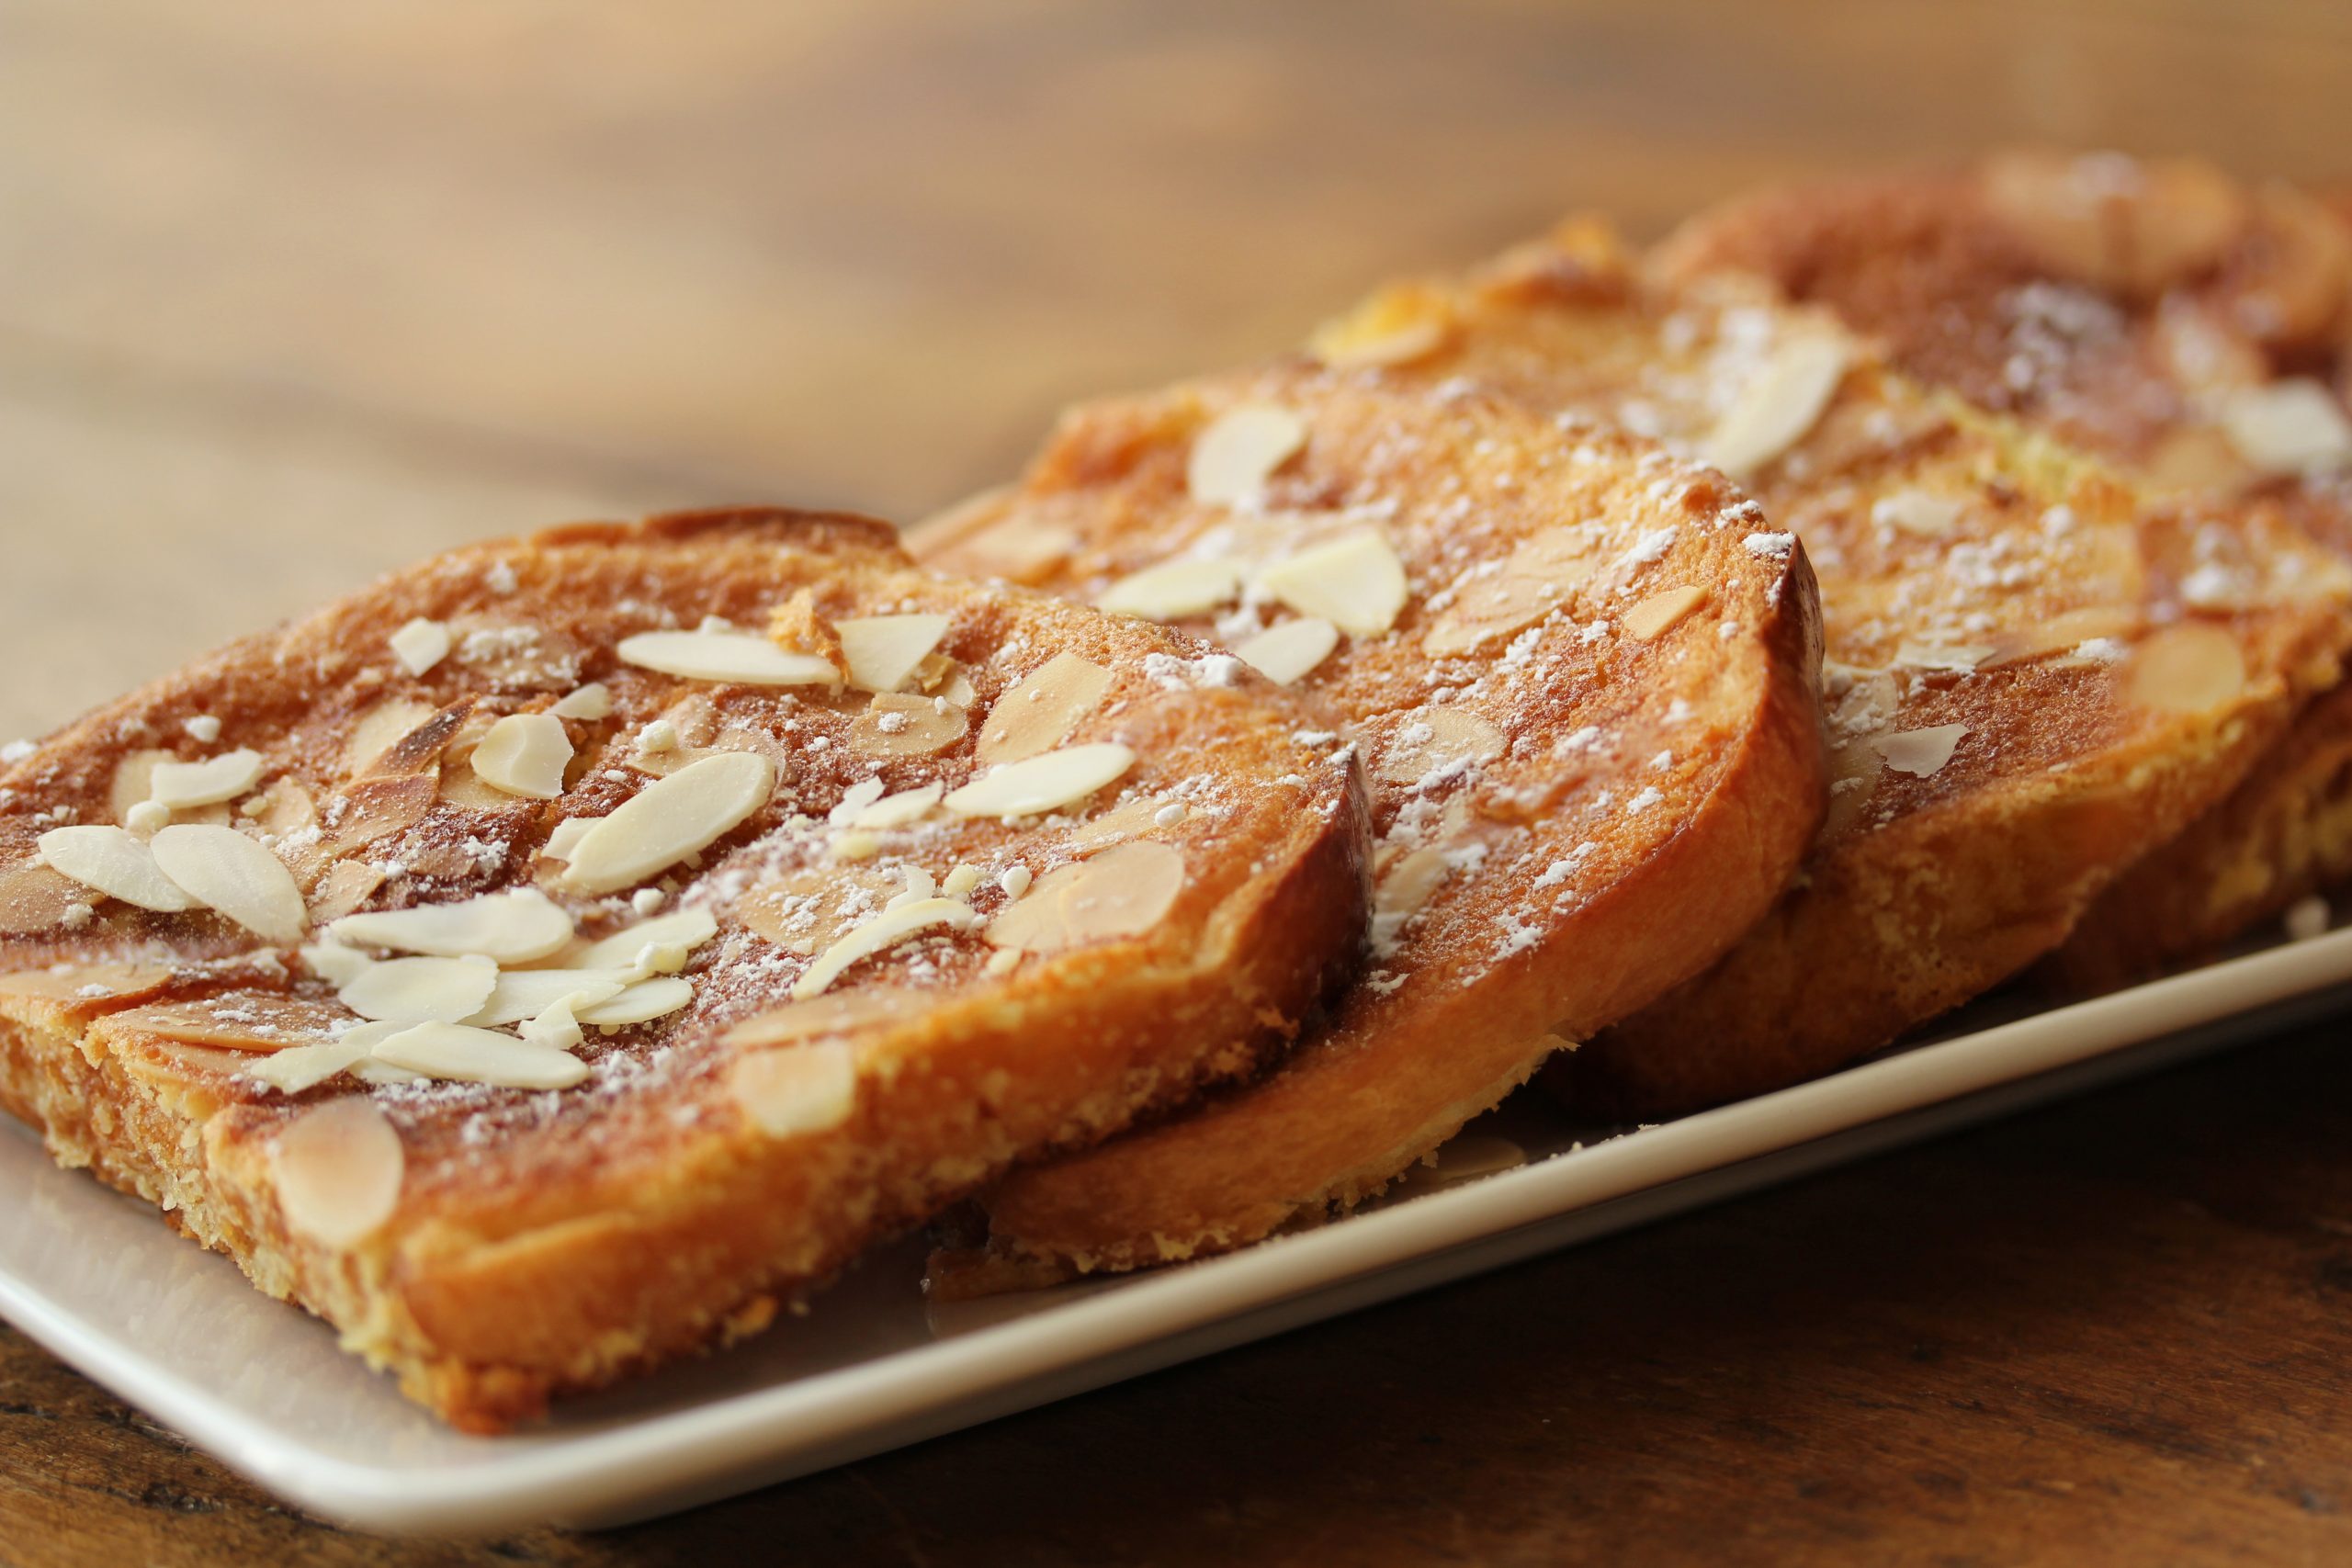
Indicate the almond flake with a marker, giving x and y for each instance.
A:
(885, 929)
(336, 965)
(638, 1003)
(902, 725)
(828, 1016)
(1661, 612)
(337, 1169)
(554, 1026)
(960, 882)
(463, 1053)
(1396, 326)
(116, 862)
(669, 819)
(420, 990)
(1284, 653)
(592, 701)
(225, 871)
(420, 645)
(883, 651)
(2287, 427)
(1125, 891)
(2186, 668)
(897, 810)
(740, 656)
(1918, 512)
(565, 836)
(810, 1088)
(525, 754)
(178, 785)
(1431, 741)
(1174, 590)
(687, 928)
(1778, 406)
(1920, 753)
(1037, 712)
(526, 993)
(1041, 784)
(1239, 451)
(1354, 581)
(514, 927)
(1540, 577)
(1929, 656)
(307, 1067)
(260, 1022)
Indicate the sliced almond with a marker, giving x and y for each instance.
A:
(225, 871)
(1354, 581)
(79, 985)
(1041, 784)
(133, 776)
(1430, 740)
(180, 786)
(743, 658)
(592, 701)
(1174, 590)
(525, 754)
(1920, 753)
(1959, 658)
(1918, 512)
(897, 810)
(1034, 921)
(1396, 326)
(830, 1016)
(1234, 455)
(336, 965)
(1661, 612)
(2064, 632)
(420, 990)
(2287, 427)
(2188, 668)
(883, 651)
(555, 1025)
(35, 898)
(885, 929)
(1854, 769)
(116, 862)
(238, 1021)
(1778, 406)
(1037, 712)
(669, 819)
(301, 1068)
(377, 808)
(337, 1169)
(1125, 891)
(1129, 821)
(1284, 653)
(1406, 885)
(463, 1053)
(681, 928)
(564, 836)
(638, 1003)
(801, 911)
(787, 1093)
(344, 888)
(512, 927)
(899, 725)
(420, 645)
(1540, 576)
(519, 994)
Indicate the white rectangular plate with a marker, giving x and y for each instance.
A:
(176, 1330)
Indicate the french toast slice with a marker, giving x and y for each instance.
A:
(692, 954)
(2036, 669)
(1583, 675)
(2187, 327)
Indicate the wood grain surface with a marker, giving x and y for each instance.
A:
(290, 294)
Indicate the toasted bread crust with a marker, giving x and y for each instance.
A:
(1955, 549)
(546, 1243)
(1460, 483)
(2120, 304)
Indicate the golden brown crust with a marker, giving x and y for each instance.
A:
(1652, 770)
(543, 1242)
(2001, 613)
(2124, 305)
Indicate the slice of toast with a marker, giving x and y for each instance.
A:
(2036, 670)
(801, 936)
(1583, 677)
(2183, 325)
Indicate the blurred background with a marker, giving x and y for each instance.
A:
(290, 294)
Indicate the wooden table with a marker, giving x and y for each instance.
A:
(290, 294)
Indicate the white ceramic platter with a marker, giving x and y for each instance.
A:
(100, 1281)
